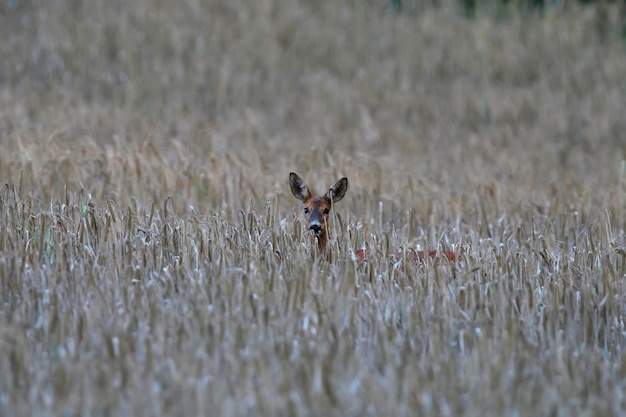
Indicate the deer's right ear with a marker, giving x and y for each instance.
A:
(338, 190)
(298, 187)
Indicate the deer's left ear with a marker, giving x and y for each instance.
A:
(298, 187)
(338, 190)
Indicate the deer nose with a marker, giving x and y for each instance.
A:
(316, 228)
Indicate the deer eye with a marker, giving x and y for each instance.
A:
(326, 211)
(306, 210)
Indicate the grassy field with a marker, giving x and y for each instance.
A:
(153, 261)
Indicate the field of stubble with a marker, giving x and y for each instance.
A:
(153, 261)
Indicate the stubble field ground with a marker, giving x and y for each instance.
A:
(153, 261)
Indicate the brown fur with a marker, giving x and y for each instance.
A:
(317, 208)
(317, 211)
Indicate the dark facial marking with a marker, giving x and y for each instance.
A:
(317, 209)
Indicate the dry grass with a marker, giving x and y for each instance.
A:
(153, 262)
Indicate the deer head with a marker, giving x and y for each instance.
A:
(317, 208)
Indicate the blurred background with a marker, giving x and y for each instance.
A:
(453, 93)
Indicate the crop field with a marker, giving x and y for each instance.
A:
(154, 262)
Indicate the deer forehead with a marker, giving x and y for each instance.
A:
(317, 203)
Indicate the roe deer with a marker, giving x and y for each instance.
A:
(317, 210)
